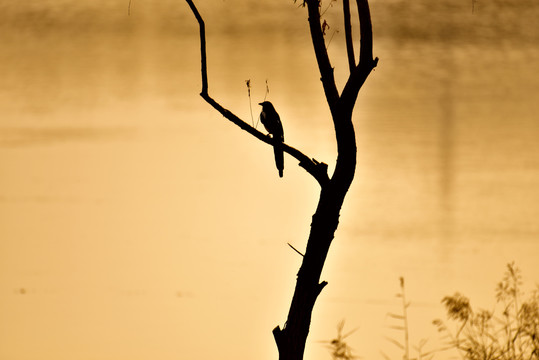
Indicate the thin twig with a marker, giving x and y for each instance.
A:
(296, 250)
(248, 83)
(331, 38)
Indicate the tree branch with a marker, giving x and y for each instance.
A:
(322, 58)
(202, 47)
(365, 27)
(317, 169)
(366, 62)
(348, 35)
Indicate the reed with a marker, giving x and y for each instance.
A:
(400, 324)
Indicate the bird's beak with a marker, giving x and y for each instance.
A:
(260, 103)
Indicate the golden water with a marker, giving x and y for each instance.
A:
(137, 223)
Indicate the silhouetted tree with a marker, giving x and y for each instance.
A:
(291, 339)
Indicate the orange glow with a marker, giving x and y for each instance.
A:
(137, 223)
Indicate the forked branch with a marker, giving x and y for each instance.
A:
(317, 169)
(359, 73)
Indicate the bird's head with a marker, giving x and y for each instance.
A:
(266, 105)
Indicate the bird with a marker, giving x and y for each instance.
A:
(272, 122)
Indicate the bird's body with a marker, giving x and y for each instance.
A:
(272, 122)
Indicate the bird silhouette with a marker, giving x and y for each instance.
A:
(271, 121)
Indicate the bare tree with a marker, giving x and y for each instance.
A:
(291, 339)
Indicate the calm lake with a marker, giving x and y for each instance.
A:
(137, 223)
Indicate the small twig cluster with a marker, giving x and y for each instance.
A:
(339, 348)
(509, 332)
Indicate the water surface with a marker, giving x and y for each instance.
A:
(135, 222)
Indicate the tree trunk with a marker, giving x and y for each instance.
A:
(291, 339)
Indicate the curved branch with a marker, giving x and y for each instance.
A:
(317, 169)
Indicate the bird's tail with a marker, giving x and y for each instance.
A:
(279, 159)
